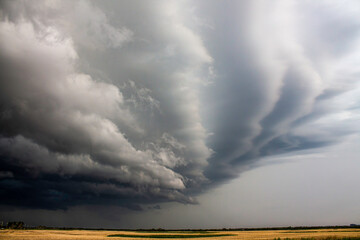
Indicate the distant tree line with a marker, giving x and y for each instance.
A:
(21, 225)
(15, 225)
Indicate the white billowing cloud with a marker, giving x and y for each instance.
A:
(88, 25)
(35, 159)
(123, 134)
(62, 105)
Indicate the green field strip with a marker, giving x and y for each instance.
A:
(171, 236)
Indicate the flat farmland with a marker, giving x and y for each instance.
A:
(7, 234)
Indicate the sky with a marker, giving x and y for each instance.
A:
(180, 114)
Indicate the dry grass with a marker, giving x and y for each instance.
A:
(97, 235)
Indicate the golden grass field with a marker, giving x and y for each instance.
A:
(7, 234)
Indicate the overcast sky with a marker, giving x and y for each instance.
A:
(180, 114)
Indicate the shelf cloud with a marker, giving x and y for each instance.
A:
(130, 103)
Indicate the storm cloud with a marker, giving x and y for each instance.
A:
(130, 103)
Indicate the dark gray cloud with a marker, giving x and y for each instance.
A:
(130, 103)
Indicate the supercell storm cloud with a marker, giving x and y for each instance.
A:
(135, 102)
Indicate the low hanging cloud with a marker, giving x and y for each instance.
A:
(99, 107)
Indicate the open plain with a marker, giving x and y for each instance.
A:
(8, 234)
